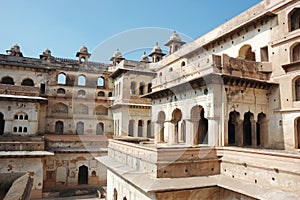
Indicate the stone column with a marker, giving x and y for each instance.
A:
(213, 132)
(239, 133)
(253, 133)
(170, 127)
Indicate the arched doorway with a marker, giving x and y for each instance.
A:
(130, 128)
(161, 121)
(200, 125)
(80, 128)
(149, 132)
(248, 118)
(2, 123)
(83, 175)
(233, 127)
(140, 128)
(59, 127)
(246, 53)
(100, 129)
(176, 118)
(261, 129)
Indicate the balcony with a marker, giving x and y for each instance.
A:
(213, 64)
(19, 90)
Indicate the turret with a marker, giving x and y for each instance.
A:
(116, 57)
(156, 53)
(174, 43)
(83, 54)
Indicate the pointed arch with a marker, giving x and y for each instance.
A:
(60, 108)
(233, 127)
(101, 81)
(247, 124)
(100, 129)
(161, 118)
(83, 174)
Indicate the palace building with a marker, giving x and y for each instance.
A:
(215, 118)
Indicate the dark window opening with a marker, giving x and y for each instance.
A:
(100, 129)
(130, 128)
(27, 82)
(59, 127)
(7, 80)
(140, 128)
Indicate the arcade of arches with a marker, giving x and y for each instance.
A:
(241, 131)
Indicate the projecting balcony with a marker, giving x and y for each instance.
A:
(212, 64)
(19, 90)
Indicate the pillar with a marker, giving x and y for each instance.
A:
(253, 133)
(239, 133)
(213, 132)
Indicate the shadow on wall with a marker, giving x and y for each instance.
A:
(15, 186)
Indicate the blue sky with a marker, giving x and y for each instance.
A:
(64, 25)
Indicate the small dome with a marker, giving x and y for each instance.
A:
(83, 49)
(144, 58)
(16, 48)
(47, 52)
(117, 54)
(175, 36)
(156, 48)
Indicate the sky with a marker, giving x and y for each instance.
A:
(64, 26)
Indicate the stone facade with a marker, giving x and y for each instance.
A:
(225, 115)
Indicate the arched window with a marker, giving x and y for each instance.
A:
(80, 128)
(246, 53)
(7, 80)
(170, 69)
(297, 89)
(101, 82)
(25, 130)
(233, 127)
(182, 64)
(81, 93)
(141, 88)
(26, 117)
(132, 87)
(60, 108)
(27, 82)
(81, 80)
(100, 129)
(101, 110)
(59, 127)
(110, 94)
(81, 109)
(295, 53)
(61, 78)
(115, 197)
(61, 91)
(101, 94)
(294, 19)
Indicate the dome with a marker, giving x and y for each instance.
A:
(83, 49)
(117, 54)
(156, 49)
(16, 48)
(47, 52)
(175, 36)
(144, 58)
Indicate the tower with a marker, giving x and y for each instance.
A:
(156, 53)
(83, 54)
(15, 51)
(116, 57)
(174, 43)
